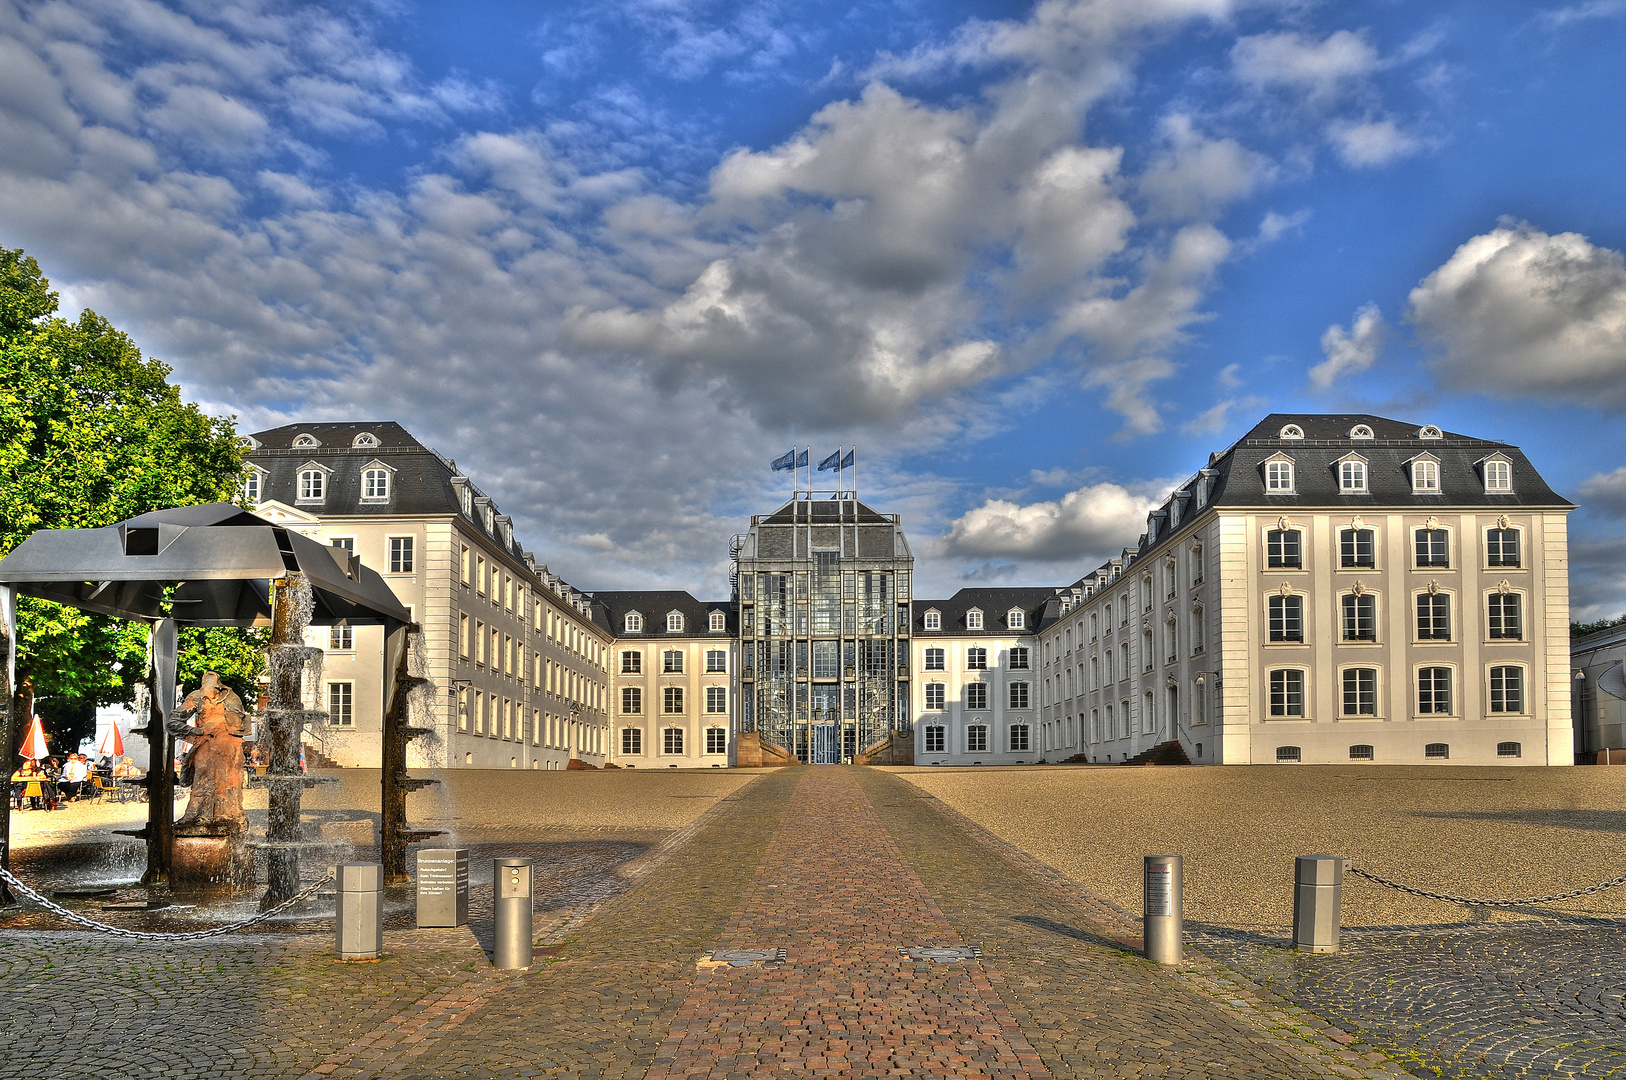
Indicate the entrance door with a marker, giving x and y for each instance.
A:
(826, 748)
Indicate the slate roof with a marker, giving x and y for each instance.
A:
(654, 607)
(824, 512)
(995, 605)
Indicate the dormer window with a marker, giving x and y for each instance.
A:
(1279, 476)
(1498, 476)
(312, 484)
(366, 440)
(1292, 431)
(973, 619)
(674, 622)
(1352, 475)
(253, 486)
(634, 623)
(1429, 431)
(375, 484)
(932, 620)
(1016, 619)
(1425, 476)
(305, 442)
(719, 622)
(1360, 431)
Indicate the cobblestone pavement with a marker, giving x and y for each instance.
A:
(840, 867)
(1499, 1000)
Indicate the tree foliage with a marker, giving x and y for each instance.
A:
(92, 432)
(1582, 629)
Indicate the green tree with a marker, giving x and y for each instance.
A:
(92, 432)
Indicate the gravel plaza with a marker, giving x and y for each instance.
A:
(846, 868)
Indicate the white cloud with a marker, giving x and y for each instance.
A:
(1605, 493)
(1197, 177)
(1351, 351)
(1083, 526)
(1274, 226)
(1517, 313)
(1582, 12)
(1369, 143)
(1324, 68)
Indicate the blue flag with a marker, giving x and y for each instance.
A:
(847, 462)
(784, 462)
(831, 462)
(801, 460)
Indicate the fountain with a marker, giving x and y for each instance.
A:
(408, 698)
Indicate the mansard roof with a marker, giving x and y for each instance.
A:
(825, 512)
(654, 607)
(995, 605)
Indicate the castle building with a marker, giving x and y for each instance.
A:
(520, 666)
(1328, 589)
(976, 687)
(672, 671)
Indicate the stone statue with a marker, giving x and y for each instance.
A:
(213, 767)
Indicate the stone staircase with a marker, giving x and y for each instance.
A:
(1165, 753)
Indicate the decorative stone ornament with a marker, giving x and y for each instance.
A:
(1286, 588)
(1431, 523)
(1434, 587)
(1359, 589)
(1504, 586)
(1503, 522)
(1357, 522)
(1281, 523)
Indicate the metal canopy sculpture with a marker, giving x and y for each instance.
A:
(214, 566)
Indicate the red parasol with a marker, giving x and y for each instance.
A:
(34, 743)
(112, 743)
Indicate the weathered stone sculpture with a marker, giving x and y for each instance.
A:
(209, 837)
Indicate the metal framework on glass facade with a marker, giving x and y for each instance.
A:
(823, 591)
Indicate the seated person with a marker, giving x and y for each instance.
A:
(75, 774)
(32, 775)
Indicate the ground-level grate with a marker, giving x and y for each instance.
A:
(943, 954)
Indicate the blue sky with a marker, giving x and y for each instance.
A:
(1034, 260)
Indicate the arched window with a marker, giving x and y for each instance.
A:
(1360, 431)
(634, 623)
(1288, 753)
(674, 622)
(718, 621)
(312, 485)
(304, 442)
(1292, 431)
(365, 439)
(1429, 431)
(375, 484)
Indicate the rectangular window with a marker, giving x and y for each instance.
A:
(1502, 547)
(976, 695)
(935, 695)
(976, 659)
(716, 699)
(716, 740)
(1434, 690)
(1508, 749)
(632, 700)
(480, 641)
(632, 662)
(1019, 658)
(465, 565)
(826, 659)
(673, 740)
(672, 699)
(1498, 476)
(1437, 750)
(935, 660)
(1360, 616)
(716, 662)
(632, 740)
(341, 638)
(1019, 737)
(1507, 690)
(340, 704)
(1287, 618)
(1279, 477)
(1433, 547)
(251, 487)
(1352, 477)
(311, 485)
(1433, 617)
(672, 662)
(1355, 549)
(480, 575)
(1287, 692)
(1019, 695)
(1283, 550)
(1425, 477)
(1505, 621)
(976, 739)
(1360, 691)
(401, 561)
(1361, 752)
(463, 711)
(934, 740)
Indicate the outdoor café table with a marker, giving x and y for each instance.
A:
(37, 789)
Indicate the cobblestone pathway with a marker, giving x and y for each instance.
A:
(1500, 1000)
(841, 868)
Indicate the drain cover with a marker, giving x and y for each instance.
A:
(747, 957)
(943, 954)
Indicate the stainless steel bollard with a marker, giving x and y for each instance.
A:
(443, 886)
(1318, 894)
(1164, 909)
(511, 888)
(358, 914)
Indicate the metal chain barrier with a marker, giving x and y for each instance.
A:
(1480, 901)
(141, 935)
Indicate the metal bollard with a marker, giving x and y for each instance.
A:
(1318, 888)
(1164, 909)
(358, 913)
(443, 886)
(511, 888)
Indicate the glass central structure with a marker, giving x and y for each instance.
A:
(823, 593)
